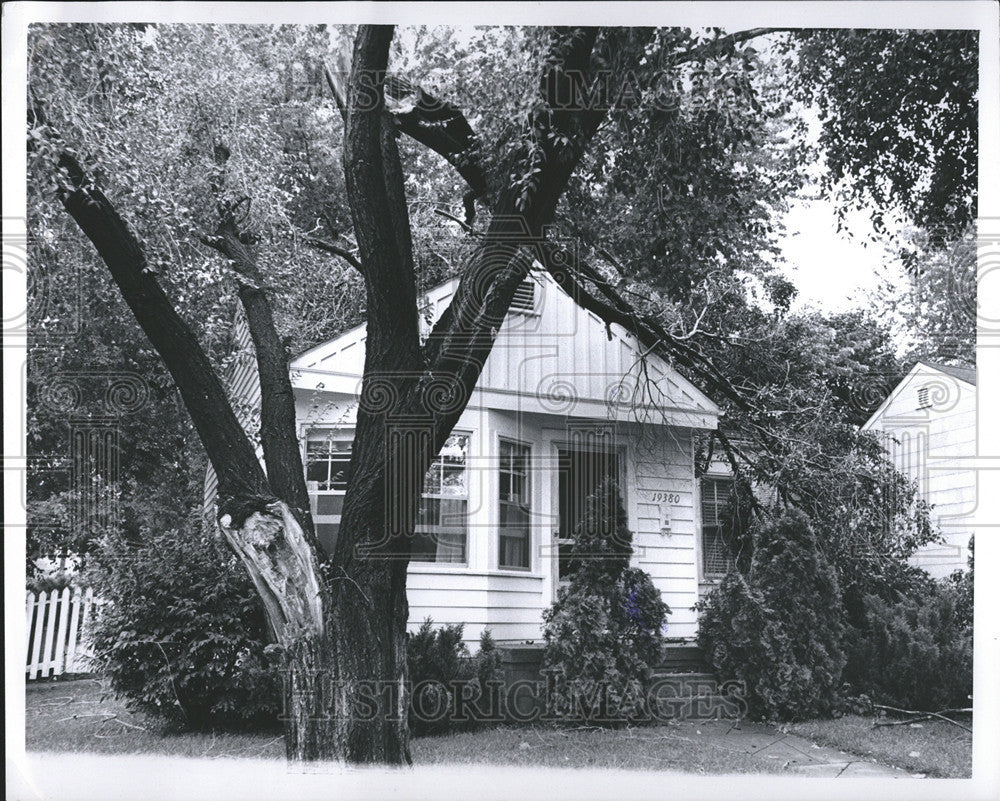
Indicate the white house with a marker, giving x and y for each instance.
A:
(563, 401)
(929, 426)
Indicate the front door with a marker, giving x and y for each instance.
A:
(581, 471)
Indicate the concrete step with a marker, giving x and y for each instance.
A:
(683, 658)
(693, 696)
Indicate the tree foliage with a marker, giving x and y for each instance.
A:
(940, 311)
(899, 113)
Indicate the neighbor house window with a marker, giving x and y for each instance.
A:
(515, 505)
(328, 462)
(715, 557)
(443, 521)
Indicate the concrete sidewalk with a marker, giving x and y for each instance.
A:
(796, 754)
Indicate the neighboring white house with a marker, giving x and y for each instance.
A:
(929, 426)
(563, 400)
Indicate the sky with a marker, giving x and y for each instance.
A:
(834, 271)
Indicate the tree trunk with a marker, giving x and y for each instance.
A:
(345, 682)
(342, 633)
(338, 703)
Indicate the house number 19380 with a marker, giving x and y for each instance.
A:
(665, 497)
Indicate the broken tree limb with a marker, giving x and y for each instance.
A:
(937, 715)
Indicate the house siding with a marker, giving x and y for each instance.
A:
(549, 374)
(664, 466)
(930, 446)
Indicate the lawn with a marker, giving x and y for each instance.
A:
(935, 748)
(80, 716)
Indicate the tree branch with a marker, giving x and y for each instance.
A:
(553, 143)
(240, 476)
(723, 42)
(442, 127)
(329, 247)
(435, 123)
(278, 429)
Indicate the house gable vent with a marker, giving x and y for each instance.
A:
(924, 398)
(524, 298)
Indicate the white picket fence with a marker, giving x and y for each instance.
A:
(57, 629)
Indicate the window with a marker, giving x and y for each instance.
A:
(443, 521)
(923, 398)
(328, 462)
(715, 557)
(515, 506)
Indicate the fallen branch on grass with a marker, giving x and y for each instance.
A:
(106, 715)
(880, 723)
(920, 715)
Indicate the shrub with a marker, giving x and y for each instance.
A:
(183, 635)
(605, 631)
(791, 604)
(742, 640)
(963, 582)
(641, 614)
(915, 653)
(56, 580)
(440, 667)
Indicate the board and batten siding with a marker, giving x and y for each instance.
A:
(554, 368)
(662, 517)
(928, 425)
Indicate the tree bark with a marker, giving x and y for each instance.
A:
(279, 554)
(342, 623)
(389, 454)
(278, 429)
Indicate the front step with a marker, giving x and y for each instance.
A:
(683, 658)
(693, 696)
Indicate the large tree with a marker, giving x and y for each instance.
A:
(595, 99)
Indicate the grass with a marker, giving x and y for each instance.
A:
(81, 716)
(687, 747)
(942, 750)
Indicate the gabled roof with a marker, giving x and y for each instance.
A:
(967, 375)
(559, 343)
(962, 373)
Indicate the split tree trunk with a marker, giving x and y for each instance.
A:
(341, 622)
(344, 645)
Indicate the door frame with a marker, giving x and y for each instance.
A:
(620, 449)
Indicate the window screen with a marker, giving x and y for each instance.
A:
(715, 557)
(515, 505)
